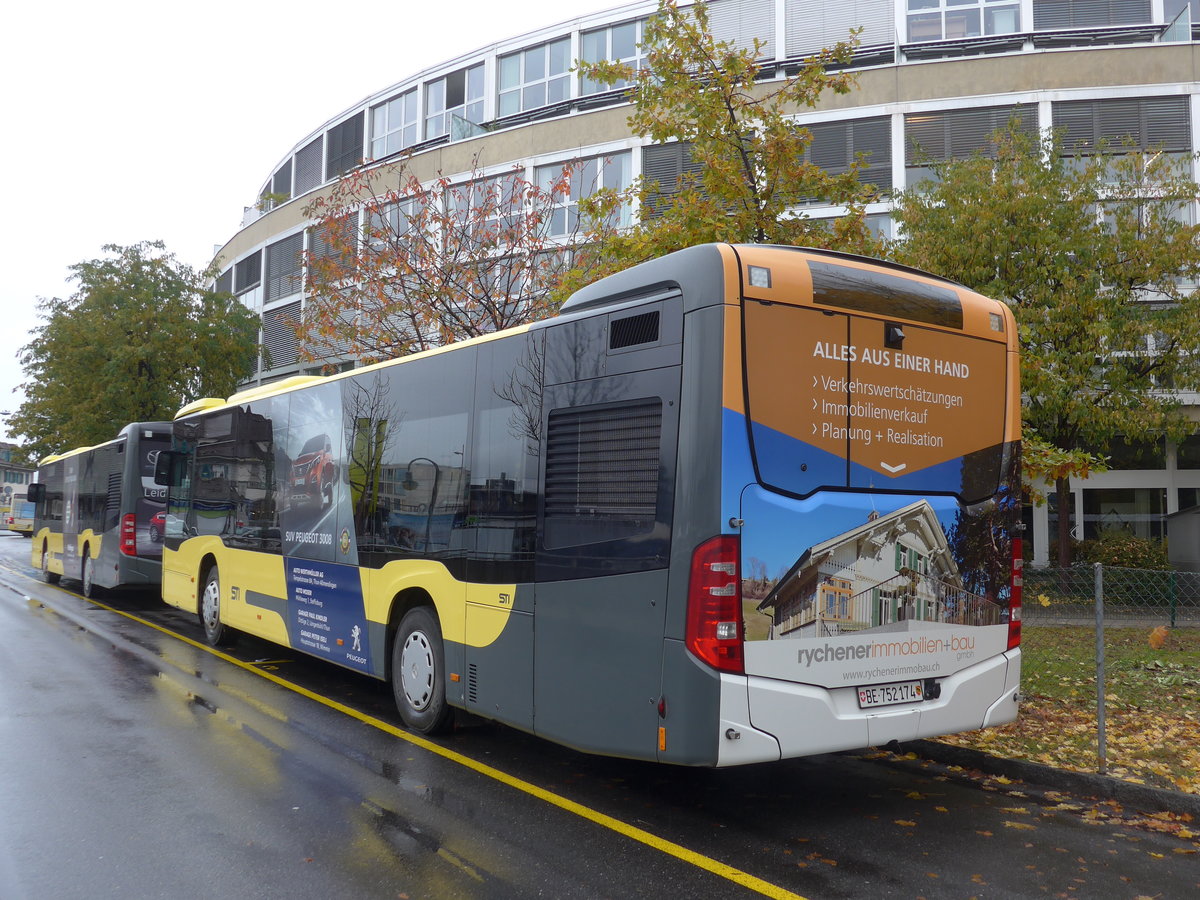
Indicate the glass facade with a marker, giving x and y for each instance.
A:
(455, 103)
(516, 80)
(1138, 511)
(618, 43)
(394, 125)
(535, 77)
(935, 20)
(585, 178)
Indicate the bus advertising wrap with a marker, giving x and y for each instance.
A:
(877, 522)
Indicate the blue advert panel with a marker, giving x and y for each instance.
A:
(325, 612)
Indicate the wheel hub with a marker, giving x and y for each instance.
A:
(416, 670)
(211, 605)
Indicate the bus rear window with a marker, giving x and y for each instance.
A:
(884, 294)
(844, 401)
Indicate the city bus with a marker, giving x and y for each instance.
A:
(20, 512)
(732, 505)
(98, 515)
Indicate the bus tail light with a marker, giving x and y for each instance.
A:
(129, 534)
(714, 630)
(1014, 598)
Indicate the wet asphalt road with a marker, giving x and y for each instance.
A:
(136, 763)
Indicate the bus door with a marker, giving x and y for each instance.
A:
(72, 477)
(610, 424)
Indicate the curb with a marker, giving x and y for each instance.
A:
(1144, 797)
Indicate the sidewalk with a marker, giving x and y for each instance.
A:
(1142, 797)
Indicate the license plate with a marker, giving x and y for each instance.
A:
(889, 694)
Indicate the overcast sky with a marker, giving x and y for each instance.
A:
(142, 120)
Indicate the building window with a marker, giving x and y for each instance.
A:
(958, 134)
(1052, 15)
(619, 43)
(1143, 123)
(394, 125)
(1124, 454)
(667, 168)
(247, 273)
(489, 208)
(344, 147)
(935, 20)
(1138, 511)
(1173, 9)
(308, 165)
(454, 104)
(283, 267)
(281, 183)
(279, 336)
(335, 239)
(836, 146)
(1187, 453)
(587, 176)
(535, 77)
(279, 188)
(391, 223)
(225, 282)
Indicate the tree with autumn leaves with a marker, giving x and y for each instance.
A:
(751, 174)
(140, 337)
(396, 265)
(1098, 256)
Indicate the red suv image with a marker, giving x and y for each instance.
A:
(313, 473)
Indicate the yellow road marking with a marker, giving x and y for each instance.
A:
(670, 848)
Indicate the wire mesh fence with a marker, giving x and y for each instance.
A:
(1129, 597)
(1110, 672)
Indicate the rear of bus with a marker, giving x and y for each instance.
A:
(20, 515)
(867, 586)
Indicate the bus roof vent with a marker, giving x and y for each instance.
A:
(633, 330)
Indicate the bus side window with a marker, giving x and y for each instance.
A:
(168, 468)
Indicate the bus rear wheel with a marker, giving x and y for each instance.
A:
(48, 576)
(216, 632)
(419, 673)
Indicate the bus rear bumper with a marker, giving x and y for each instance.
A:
(775, 719)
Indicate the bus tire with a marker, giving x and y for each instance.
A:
(419, 672)
(48, 576)
(216, 632)
(87, 577)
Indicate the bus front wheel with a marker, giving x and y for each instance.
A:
(216, 632)
(419, 672)
(48, 576)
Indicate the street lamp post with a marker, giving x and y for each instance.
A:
(409, 483)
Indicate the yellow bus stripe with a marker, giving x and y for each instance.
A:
(670, 848)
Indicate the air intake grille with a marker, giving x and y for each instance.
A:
(633, 330)
(602, 463)
(112, 503)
